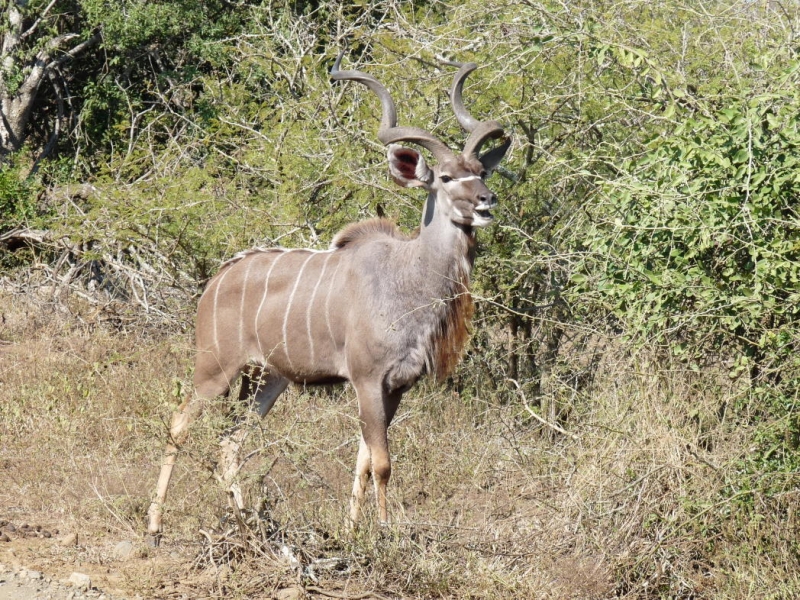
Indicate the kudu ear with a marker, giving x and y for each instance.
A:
(408, 168)
(492, 158)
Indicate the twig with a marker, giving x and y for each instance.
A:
(637, 481)
(707, 463)
(537, 417)
(32, 29)
(330, 594)
(105, 505)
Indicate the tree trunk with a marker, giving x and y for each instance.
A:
(15, 112)
(27, 55)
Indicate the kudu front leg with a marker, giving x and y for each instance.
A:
(363, 465)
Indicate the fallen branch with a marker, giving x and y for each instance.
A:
(552, 426)
(23, 235)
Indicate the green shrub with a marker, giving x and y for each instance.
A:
(17, 197)
(695, 248)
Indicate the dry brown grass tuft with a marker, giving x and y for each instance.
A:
(485, 501)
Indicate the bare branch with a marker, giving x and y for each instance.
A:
(32, 29)
(12, 35)
(70, 54)
(24, 235)
(42, 62)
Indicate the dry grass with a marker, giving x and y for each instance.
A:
(486, 503)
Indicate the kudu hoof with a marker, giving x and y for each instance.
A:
(153, 540)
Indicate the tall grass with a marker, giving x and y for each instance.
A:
(642, 498)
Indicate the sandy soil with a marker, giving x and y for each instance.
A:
(68, 566)
(20, 582)
(25, 584)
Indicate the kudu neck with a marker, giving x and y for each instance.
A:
(444, 245)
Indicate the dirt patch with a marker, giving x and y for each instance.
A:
(32, 569)
(28, 584)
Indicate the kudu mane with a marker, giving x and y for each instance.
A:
(240, 256)
(366, 230)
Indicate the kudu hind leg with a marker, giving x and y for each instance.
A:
(181, 419)
(376, 411)
(265, 389)
(208, 383)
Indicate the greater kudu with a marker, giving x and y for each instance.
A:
(379, 308)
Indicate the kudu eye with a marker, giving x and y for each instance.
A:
(484, 174)
(446, 178)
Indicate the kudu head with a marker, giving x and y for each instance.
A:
(457, 182)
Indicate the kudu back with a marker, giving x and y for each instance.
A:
(379, 309)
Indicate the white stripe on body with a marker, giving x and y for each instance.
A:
(328, 303)
(214, 309)
(263, 299)
(241, 304)
(289, 308)
(310, 304)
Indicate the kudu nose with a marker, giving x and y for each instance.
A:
(489, 199)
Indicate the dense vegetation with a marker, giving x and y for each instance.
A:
(649, 202)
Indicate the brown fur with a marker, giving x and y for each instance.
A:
(449, 342)
(365, 229)
(463, 163)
